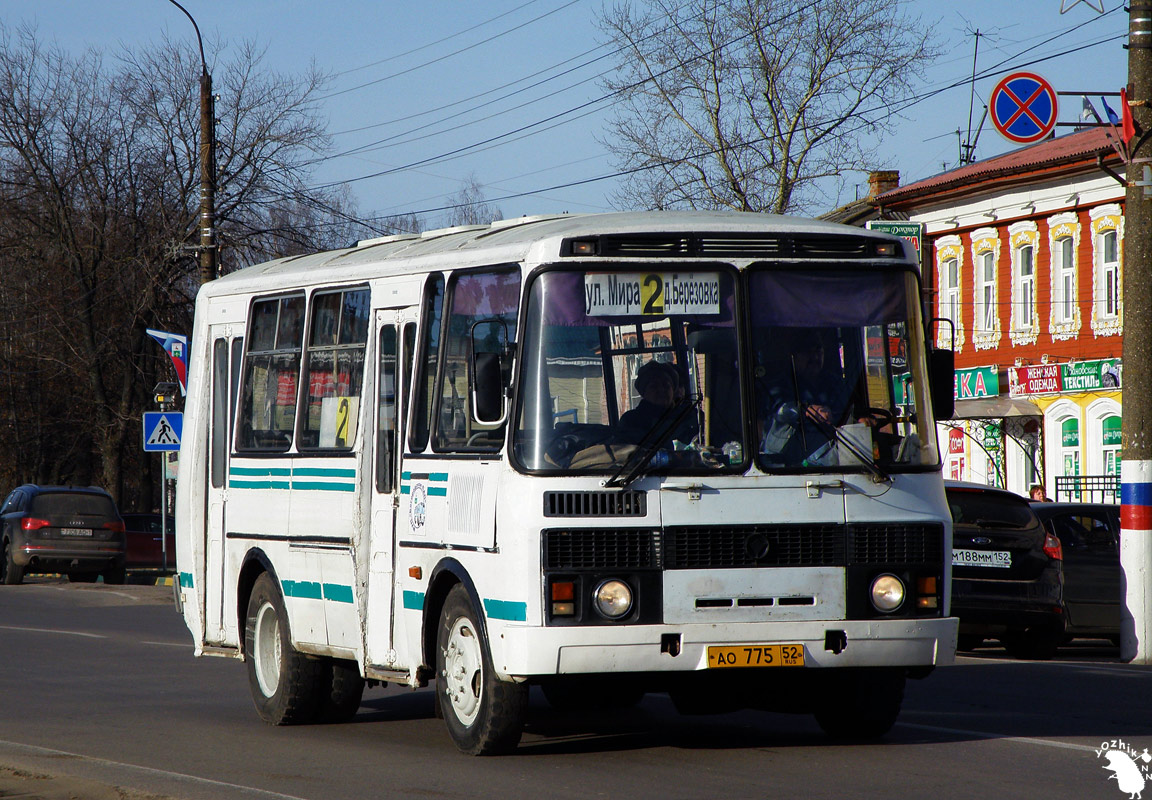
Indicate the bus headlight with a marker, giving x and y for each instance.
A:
(887, 593)
(613, 598)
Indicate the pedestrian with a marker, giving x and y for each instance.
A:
(1037, 494)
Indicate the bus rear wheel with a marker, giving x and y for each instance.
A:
(285, 683)
(484, 715)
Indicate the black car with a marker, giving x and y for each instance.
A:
(1007, 572)
(1090, 536)
(61, 529)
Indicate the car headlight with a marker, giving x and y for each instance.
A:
(887, 593)
(613, 598)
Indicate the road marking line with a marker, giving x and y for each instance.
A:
(50, 630)
(45, 751)
(1001, 737)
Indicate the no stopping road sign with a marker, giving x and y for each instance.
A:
(1023, 107)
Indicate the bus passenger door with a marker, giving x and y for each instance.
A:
(395, 332)
(227, 352)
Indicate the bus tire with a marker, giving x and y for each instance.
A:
(861, 704)
(13, 572)
(484, 715)
(341, 690)
(285, 683)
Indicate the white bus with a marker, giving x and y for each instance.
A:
(589, 453)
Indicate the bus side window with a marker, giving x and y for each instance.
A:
(334, 373)
(220, 415)
(482, 304)
(430, 318)
(271, 370)
(387, 417)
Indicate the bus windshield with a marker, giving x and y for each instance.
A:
(644, 368)
(623, 365)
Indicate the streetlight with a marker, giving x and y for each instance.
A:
(207, 163)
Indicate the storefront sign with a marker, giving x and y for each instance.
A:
(1081, 376)
(912, 232)
(977, 382)
(955, 441)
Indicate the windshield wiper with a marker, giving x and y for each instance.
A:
(646, 448)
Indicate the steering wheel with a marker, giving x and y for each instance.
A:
(883, 416)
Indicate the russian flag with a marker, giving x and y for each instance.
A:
(176, 346)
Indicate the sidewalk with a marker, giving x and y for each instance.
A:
(25, 785)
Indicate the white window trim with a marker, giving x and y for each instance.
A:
(1061, 226)
(1054, 418)
(985, 240)
(1022, 234)
(1095, 414)
(1107, 218)
(949, 247)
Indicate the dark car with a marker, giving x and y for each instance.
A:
(1090, 536)
(143, 533)
(1007, 572)
(73, 530)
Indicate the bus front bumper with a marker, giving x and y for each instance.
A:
(521, 652)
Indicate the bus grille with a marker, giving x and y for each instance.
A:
(755, 546)
(598, 548)
(736, 546)
(595, 504)
(890, 543)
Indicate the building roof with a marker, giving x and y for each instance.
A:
(1070, 153)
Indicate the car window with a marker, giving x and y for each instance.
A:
(1069, 529)
(68, 503)
(990, 509)
(1097, 530)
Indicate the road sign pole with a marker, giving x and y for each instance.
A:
(1136, 431)
(164, 509)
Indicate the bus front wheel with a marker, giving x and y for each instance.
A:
(285, 684)
(861, 704)
(483, 715)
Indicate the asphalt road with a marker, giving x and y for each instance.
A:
(100, 696)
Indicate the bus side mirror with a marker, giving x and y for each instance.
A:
(491, 368)
(488, 389)
(942, 382)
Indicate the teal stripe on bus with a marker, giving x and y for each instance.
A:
(309, 590)
(405, 489)
(324, 472)
(413, 601)
(234, 484)
(324, 487)
(260, 471)
(506, 609)
(338, 593)
(437, 476)
(186, 580)
(439, 491)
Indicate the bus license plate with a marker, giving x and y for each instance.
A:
(75, 531)
(756, 655)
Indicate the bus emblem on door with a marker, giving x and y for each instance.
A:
(418, 506)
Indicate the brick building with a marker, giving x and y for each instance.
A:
(1024, 256)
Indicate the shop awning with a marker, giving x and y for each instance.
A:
(996, 408)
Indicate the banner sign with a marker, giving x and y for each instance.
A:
(1081, 376)
(976, 382)
(912, 232)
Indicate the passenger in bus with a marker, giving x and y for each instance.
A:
(658, 385)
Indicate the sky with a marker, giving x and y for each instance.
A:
(507, 93)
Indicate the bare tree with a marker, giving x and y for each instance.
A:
(470, 207)
(750, 104)
(99, 192)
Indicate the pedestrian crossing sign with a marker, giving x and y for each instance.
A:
(162, 430)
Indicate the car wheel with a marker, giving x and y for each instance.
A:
(10, 572)
(285, 683)
(483, 715)
(341, 690)
(861, 705)
(1033, 644)
(969, 641)
(116, 575)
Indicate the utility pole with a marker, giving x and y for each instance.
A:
(1136, 468)
(207, 175)
(207, 246)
